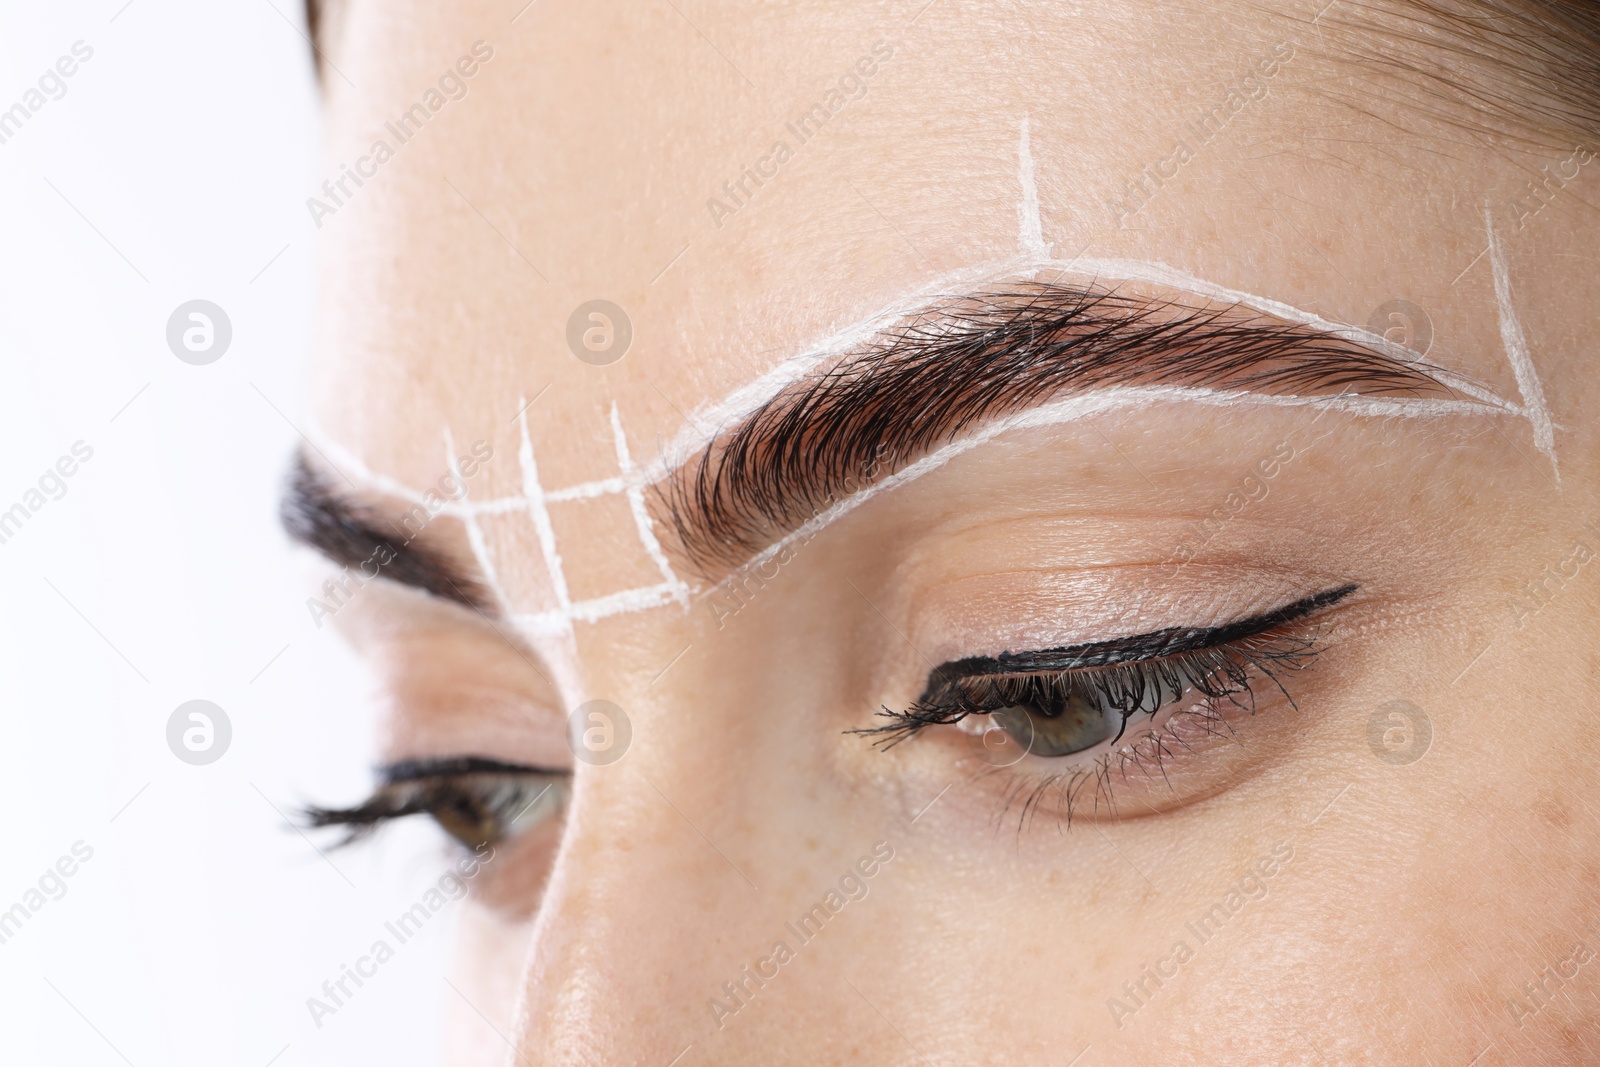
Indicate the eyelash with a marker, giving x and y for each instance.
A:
(477, 802)
(483, 802)
(1219, 673)
(1142, 683)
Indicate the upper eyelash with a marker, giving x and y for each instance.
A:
(437, 787)
(1123, 672)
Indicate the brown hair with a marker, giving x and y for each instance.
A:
(1524, 69)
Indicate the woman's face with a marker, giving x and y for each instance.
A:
(1234, 666)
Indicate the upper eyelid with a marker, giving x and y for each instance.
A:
(418, 781)
(1135, 649)
(411, 770)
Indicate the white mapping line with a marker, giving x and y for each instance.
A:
(559, 620)
(603, 607)
(475, 538)
(534, 501)
(351, 464)
(641, 516)
(1516, 345)
(1030, 232)
(359, 471)
(585, 490)
(745, 400)
(540, 514)
(706, 423)
(1132, 270)
(1086, 405)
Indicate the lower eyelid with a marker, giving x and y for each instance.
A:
(1189, 750)
(1174, 759)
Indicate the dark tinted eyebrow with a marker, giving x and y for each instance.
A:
(352, 534)
(944, 371)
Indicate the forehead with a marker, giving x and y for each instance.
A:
(735, 183)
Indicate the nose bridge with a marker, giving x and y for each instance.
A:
(643, 892)
(683, 856)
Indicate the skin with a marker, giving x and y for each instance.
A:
(1416, 898)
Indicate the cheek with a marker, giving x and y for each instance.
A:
(491, 951)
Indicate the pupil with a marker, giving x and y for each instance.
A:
(1056, 725)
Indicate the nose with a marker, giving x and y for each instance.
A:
(696, 912)
(647, 903)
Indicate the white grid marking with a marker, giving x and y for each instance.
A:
(534, 500)
(641, 515)
(480, 545)
(1035, 260)
(1030, 231)
(1516, 346)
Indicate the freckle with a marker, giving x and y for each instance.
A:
(1574, 1041)
(1553, 812)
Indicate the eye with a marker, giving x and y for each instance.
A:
(1050, 719)
(476, 801)
(1055, 703)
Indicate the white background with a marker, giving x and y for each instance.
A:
(176, 167)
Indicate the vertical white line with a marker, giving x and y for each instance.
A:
(1030, 231)
(469, 518)
(540, 514)
(1516, 345)
(641, 515)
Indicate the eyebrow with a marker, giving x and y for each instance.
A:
(951, 367)
(354, 534)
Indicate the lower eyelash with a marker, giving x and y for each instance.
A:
(1222, 676)
(1151, 750)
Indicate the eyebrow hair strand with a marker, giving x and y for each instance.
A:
(941, 372)
(316, 514)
